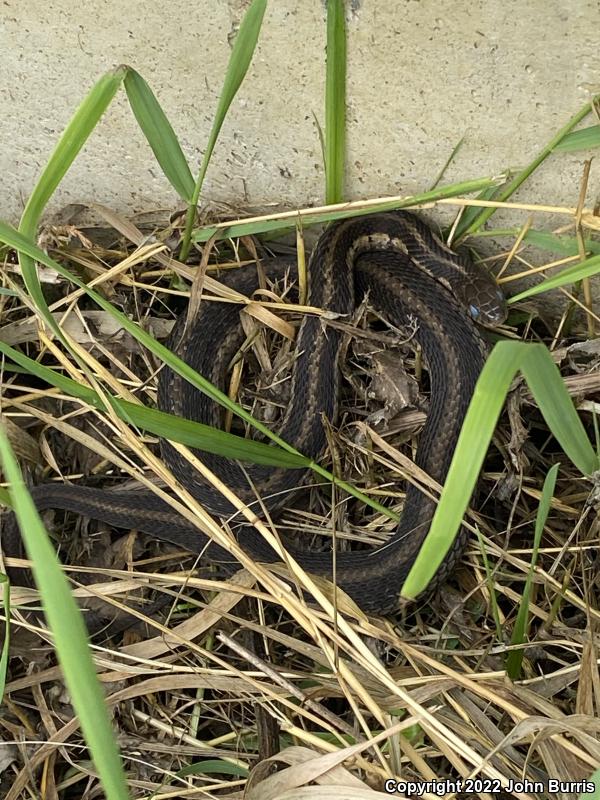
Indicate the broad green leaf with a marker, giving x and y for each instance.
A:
(554, 401)
(69, 631)
(160, 135)
(335, 102)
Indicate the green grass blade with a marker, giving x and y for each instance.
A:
(548, 389)
(6, 642)
(474, 439)
(454, 152)
(519, 635)
(321, 136)
(192, 434)
(211, 440)
(584, 139)
(522, 176)
(335, 102)
(70, 143)
(585, 269)
(214, 766)
(160, 135)
(550, 393)
(287, 219)
(70, 634)
(562, 245)
(239, 61)
(159, 423)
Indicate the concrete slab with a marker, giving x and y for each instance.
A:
(504, 75)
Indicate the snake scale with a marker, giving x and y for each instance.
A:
(410, 276)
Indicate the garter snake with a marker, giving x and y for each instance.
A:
(409, 275)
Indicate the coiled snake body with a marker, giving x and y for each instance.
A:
(409, 275)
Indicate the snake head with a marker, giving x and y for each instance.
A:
(486, 302)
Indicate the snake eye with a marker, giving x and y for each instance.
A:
(474, 311)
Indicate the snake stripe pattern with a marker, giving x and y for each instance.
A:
(410, 276)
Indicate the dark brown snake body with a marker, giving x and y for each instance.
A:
(407, 273)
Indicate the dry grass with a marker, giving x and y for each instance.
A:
(238, 669)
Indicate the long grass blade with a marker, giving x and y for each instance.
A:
(550, 393)
(239, 61)
(335, 102)
(70, 634)
(4, 582)
(160, 134)
(159, 423)
(25, 246)
(312, 216)
(70, 143)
